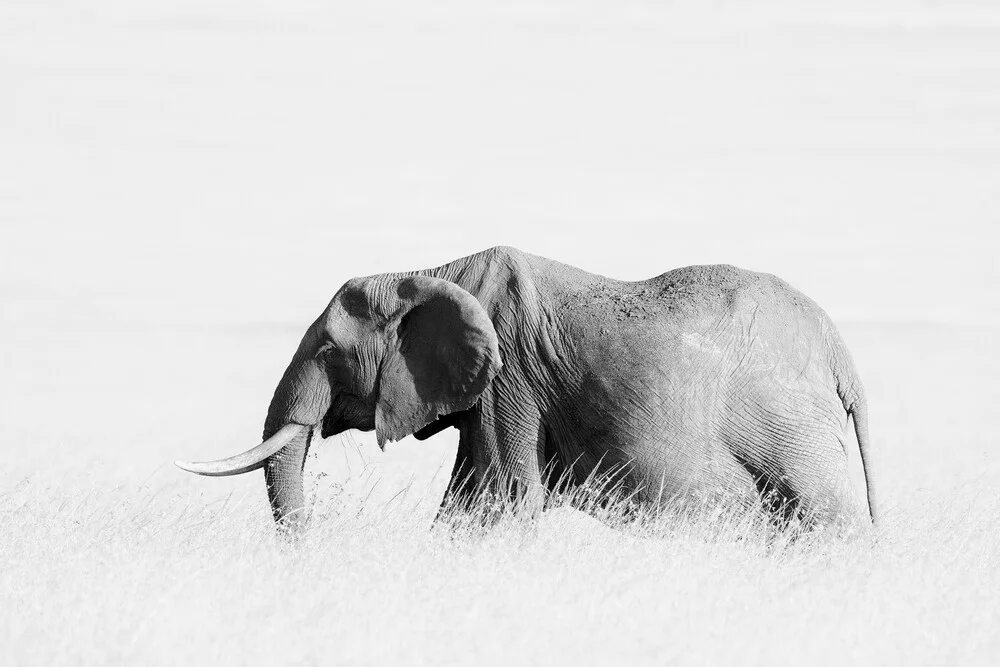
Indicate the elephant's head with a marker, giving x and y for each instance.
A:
(389, 353)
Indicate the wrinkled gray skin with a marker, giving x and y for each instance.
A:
(705, 380)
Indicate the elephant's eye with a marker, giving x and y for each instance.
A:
(333, 355)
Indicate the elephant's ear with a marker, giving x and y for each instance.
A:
(442, 357)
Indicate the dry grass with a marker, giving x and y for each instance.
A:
(92, 575)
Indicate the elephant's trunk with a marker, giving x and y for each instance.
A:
(283, 474)
(302, 397)
(298, 406)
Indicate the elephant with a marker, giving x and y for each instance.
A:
(702, 381)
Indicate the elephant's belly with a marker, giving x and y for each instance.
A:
(660, 467)
(656, 442)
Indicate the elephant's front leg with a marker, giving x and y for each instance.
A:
(461, 491)
(499, 462)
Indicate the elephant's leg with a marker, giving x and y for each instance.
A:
(461, 491)
(804, 477)
(729, 485)
(519, 478)
(790, 443)
(506, 440)
(822, 488)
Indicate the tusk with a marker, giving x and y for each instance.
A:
(248, 460)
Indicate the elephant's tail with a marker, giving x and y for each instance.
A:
(859, 412)
(852, 394)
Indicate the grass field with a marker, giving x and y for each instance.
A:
(130, 578)
(100, 565)
(185, 185)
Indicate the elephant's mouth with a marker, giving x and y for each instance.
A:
(440, 424)
(346, 412)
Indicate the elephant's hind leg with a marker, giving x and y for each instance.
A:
(814, 487)
(773, 492)
(799, 469)
(822, 488)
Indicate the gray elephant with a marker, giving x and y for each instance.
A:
(701, 381)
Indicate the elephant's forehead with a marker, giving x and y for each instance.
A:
(353, 299)
(351, 312)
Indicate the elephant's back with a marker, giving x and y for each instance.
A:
(737, 326)
(700, 316)
(707, 287)
(726, 291)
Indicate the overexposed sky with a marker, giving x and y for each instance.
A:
(212, 163)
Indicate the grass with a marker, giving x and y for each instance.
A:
(128, 576)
